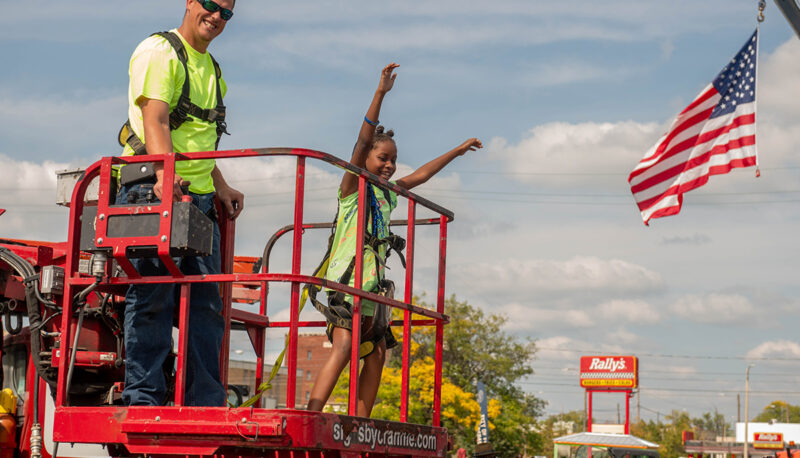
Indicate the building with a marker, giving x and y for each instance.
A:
(243, 375)
(780, 435)
(312, 352)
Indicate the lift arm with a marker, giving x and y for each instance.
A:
(791, 11)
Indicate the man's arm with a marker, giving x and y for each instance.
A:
(231, 199)
(155, 117)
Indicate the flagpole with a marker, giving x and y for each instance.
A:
(762, 4)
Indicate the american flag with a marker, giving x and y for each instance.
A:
(715, 133)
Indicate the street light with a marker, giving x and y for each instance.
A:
(746, 409)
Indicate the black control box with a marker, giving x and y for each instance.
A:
(192, 232)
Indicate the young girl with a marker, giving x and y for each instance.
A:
(376, 151)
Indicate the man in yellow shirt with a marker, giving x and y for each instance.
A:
(157, 77)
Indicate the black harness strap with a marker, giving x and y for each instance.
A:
(338, 312)
(184, 107)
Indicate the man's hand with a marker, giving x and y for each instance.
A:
(470, 145)
(387, 78)
(176, 185)
(231, 199)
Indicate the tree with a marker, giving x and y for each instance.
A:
(475, 347)
(781, 411)
(669, 435)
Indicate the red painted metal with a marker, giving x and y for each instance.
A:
(194, 430)
(358, 277)
(227, 228)
(85, 358)
(628, 392)
(409, 296)
(437, 381)
(183, 341)
(297, 244)
(628, 413)
(223, 431)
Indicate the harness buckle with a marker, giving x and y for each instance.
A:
(222, 127)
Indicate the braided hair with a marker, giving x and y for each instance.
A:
(382, 136)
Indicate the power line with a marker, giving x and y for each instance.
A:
(657, 355)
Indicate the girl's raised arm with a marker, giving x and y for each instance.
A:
(424, 173)
(367, 133)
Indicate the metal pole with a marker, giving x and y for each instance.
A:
(409, 296)
(294, 304)
(746, 409)
(439, 350)
(358, 271)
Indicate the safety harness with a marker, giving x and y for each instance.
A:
(185, 107)
(338, 312)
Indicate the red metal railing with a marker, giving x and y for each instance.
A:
(257, 323)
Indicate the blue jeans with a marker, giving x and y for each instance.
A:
(149, 311)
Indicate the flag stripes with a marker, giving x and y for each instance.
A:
(712, 135)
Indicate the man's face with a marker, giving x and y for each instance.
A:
(206, 25)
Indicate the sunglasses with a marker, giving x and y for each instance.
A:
(212, 7)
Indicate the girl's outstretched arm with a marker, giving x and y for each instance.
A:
(367, 133)
(424, 173)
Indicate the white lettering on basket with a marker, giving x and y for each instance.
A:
(368, 434)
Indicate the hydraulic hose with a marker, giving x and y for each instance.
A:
(25, 270)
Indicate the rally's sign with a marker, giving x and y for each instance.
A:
(609, 372)
(768, 440)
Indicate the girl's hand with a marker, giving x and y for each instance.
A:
(387, 78)
(470, 145)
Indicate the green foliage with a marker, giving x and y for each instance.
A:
(669, 434)
(475, 348)
(780, 411)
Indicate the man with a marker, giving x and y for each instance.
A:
(157, 78)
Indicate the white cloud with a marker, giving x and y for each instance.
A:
(537, 320)
(563, 348)
(578, 274)
(599, 155)
(28, 193)
(552, 73)
(565, 155)
(775, 349)
(632, 311)
(715, 308)
(72, 124)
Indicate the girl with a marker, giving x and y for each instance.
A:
(376, 151)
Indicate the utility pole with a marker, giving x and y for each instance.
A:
(638, 418)
(747, 409)
(738, 409)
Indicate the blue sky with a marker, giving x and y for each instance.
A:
(567, 97)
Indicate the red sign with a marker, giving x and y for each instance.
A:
(768, 440)
(609, 372)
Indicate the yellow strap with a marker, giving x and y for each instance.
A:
(267, 384)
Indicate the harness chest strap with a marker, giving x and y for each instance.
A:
(184, 107)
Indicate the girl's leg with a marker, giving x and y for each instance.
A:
(329, 374)
(370, 379)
